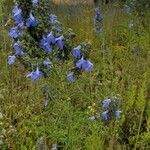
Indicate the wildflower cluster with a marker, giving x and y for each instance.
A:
(98, 20)
(81, 61)
(110, 110)
(39, 41)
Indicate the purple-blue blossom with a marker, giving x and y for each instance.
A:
(87, 66)
(98, 16)
(128, 9)
(59, 42)
(47, 63)
(17, 15)
(106, 103)
(70, 77)
(31, 21)
(11, 59)
(59, 27)
(44, 44)
(18, 49)
(118, 114)
(80, 63)
(53, 18)
(34, 2)
(105, 115)
(76, 52)
(97, 10)
(34, 75)
(14, 32)
(51, 38)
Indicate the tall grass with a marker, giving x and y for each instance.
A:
(119, 70)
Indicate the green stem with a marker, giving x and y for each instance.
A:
(139, 127)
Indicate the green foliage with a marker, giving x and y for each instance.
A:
(121, 59)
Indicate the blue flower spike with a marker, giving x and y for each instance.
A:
(31, 22)
(76, 52)
(11, 59)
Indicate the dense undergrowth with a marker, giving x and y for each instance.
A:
(51, 112)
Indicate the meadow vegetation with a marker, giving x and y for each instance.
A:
(121, 58)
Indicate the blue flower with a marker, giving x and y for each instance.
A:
(97, 10)
(51, 38)
(105, 115)
(45, 45)
(34, 2)
(34, 75)
(128, 9)
(11, 59)
(17, 15)
(118, 114)
(87, 66)
(70, 77)
(106, 103)
(18, 49)
(98, 16)
(47, 63)
(76, 52)
(60, 42)
(31, 21)
(53, 18)
(14, 32)
(80, 63)
(59, 27)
